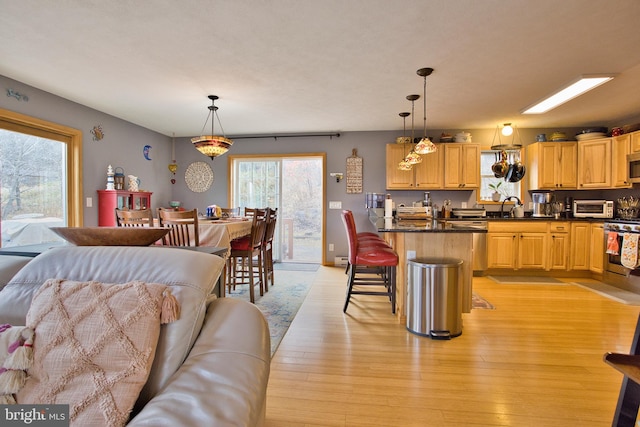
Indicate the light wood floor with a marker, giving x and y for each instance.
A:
(536, 360)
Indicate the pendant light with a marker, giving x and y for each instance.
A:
(413, 158)
(212, 145)
(404, 165)
(507, 129)
(425, 146)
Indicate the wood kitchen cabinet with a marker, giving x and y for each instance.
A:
(580, 246)
(594, 164)
(559, 249)
(508, 247)
(620, 147)
(461, 166)
(423, 176)
(453, 166)
(597, 252)
(109, 200)
(552, 165)
(501, 250)
(635, 142)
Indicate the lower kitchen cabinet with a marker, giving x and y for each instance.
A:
(532, 251)
(501, 250)
(559, 248)
(580, 244)
(546, 245)
(508, 247)
(597, 247)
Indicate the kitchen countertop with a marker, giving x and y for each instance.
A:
(426, 226)
(526, 218)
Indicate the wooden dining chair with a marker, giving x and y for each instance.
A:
(241, 268)
(183, 225)
(267, 248)
(134, 218)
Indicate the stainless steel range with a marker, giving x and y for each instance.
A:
(614, 272)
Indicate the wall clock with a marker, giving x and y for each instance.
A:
(199, 177)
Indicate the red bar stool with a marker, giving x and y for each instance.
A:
(371, 264)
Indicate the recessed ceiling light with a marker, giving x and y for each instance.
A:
(582, 85)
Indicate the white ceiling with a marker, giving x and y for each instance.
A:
(299, 66)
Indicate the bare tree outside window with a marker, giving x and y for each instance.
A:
(33, 182)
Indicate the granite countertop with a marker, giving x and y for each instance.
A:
(423, 226)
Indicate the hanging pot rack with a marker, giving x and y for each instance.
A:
(506, 147)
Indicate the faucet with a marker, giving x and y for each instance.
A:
(507, 199)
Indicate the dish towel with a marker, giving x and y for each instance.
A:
(629, 257)
(613, 247)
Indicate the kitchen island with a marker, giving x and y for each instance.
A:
(429, 239)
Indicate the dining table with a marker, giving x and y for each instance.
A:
(220, 232)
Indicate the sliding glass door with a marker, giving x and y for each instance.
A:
(294, 185)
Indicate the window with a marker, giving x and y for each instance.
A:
(488, 181)
(40, 178)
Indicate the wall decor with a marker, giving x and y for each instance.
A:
(173, 166)
(97, 133)
(146, 152)
(354, 173)
(199, 177)
(17, 95)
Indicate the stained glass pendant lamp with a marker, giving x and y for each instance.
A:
(425, 146)
(212, 145)
(404, 165)
(413, 158)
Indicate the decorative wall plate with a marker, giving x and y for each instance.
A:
(199, 177)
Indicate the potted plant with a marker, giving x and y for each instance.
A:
(495, 186)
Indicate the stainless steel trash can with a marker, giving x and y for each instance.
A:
(434, 297)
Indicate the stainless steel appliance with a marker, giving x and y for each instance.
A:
(633, 167)
(614, 272)
(474, 218)
(593, 208)
(541, 204)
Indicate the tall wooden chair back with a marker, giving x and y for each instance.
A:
(183, 225)
(267, 247)
(134, 218)
(249, 212)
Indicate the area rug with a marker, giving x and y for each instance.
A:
(611, 292)
(526, 280)
(478, 302)
(293, 266)
(281, 304)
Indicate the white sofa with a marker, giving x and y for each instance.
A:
(211, 366)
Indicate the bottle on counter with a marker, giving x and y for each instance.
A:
(446, 209)
(388, 207)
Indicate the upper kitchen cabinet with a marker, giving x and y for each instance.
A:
(620, 147)
(426, 175)
(461, 166)
(398, 179)
(552, 165)
(635, 142)
(594, 164)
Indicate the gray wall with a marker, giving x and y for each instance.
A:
(124, 141)
(122, 144)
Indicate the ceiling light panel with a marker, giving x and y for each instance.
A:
(582, 85)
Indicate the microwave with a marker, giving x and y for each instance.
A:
(593, 208)
(633, 167)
